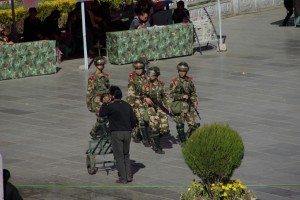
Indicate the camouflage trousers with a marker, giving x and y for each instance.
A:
(158, 120)
(100, 127)
(139, 111)
(97, 125)
(97, 104)
(186, 115)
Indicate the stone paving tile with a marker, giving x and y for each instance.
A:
(279, 192)
(15, 111)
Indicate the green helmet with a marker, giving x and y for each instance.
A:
(99, 61)
(183, 67)
(138, 65)
(153, 71)
(143, 59)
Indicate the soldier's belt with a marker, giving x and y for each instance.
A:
(184, 100)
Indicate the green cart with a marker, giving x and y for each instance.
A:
(99, 155)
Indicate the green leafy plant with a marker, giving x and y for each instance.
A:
(213, 152)
(232, 190)
(45, 7)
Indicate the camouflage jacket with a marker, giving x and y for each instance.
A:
(156, 91)
(181, 86)
(98, 84)
(135, 87)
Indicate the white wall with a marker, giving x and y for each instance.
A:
(234, 7)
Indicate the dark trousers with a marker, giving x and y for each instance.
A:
(289, 5)
(288, 15)
(120, 141)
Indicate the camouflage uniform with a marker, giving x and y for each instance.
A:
(179, 87)
(158, 120)
(98, 87)
(134, 98)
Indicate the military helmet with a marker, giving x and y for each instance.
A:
(183, 67)
(154, 71)
(138, 65)
(143, 59)
(99, 61)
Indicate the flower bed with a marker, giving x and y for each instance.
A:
(233, 190)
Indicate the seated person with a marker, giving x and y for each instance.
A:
(140, 21)
(159, 6)
(32, 27)
(115, 21)
(50, 26)
(180, 14)
(10, 191)
(3, 38)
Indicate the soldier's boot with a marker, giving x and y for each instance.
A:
(164, 133)
(144, 134)
(136, 136)
(181, 134)
(191, 129)
(94, 131)
(103, 126)
(156, 142)
(93, 134)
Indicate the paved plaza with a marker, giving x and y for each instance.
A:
(254, 87)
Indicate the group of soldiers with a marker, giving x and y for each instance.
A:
(150, 101)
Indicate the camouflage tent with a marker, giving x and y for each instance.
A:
(27, 59)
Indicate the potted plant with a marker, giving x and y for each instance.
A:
(213, 152)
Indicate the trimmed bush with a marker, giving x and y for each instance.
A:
(213, 152)
(44, 9)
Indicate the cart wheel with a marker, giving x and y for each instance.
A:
(91, 164)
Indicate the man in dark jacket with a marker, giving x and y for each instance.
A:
(32, 30)
(121, 122)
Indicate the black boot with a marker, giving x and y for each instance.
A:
(136, 136)
(144, 133)
(181, 134)
(191, 129)
(103, 126)
(156, 142)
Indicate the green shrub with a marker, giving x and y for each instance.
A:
(213, 152)
(44, 9)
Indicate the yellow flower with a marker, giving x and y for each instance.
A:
(213, 185)
(237, 180)
(243, 187)
(224, 194)
(189, 189)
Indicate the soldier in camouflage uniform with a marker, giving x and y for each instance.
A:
(183, 93)
(158, 120)
(137, 80)
(97, 89)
